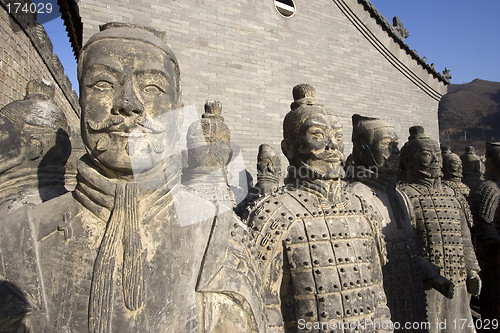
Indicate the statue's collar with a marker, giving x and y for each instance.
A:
(431, 183)
(97, 192)
(371, 177)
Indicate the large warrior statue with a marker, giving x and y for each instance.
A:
(35, 148)
(123, 251)
(486, 209)
(315, 249)
(375, 164)
(442, 232)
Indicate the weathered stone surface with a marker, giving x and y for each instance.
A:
(122, 252)
(440, 220)
(375, 163)
(313, 253)
(208, 154)
(35, 148)
(486, 210)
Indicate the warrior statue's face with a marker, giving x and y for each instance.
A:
(12, 153)
(128, 94)
(320, 146)
(428, 160)
(384, 151)
(452, 166)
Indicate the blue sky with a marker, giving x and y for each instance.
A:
(462, 35)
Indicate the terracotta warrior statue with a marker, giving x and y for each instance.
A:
(452, 171)
(123, 251)
(312, 257)
(486, 211)
(268, 171)
(473, 169)
(35, 148)
(374, 169)
(208, 153)
(441, 225)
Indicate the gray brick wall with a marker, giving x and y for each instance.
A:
(249, 57)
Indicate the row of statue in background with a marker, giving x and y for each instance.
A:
(372, 243)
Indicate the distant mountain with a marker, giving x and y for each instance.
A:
(469, 114)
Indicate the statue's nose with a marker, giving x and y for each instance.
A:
(127, 103)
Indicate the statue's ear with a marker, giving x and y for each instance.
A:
(287, 149)
(34, 147)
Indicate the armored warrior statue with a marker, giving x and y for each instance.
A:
(375, 164)
(315, 249)
(122, 252)
(208, 153)
(35, 148)
(452, 171)
(442, 231)
(486, 211)
(473, 169)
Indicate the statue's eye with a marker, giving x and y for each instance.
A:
(153, 89)
(103, 85)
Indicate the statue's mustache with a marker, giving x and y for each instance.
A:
(116, 120)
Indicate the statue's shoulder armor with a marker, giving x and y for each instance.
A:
(276, 210)
(462, 201)
(488, 200)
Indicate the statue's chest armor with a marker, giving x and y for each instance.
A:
(438, 218)
(330, 258)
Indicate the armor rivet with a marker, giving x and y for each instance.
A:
(347, 297)
(335, 245)
(310, 314)
(233, 233)
(276, 203)
(344, 284)
(235, 226)
(368, 308)
(269, 247)
(298, 215)
(301, 238)
(305, 214)
(278, 232)
(290, 218)
(330, 260)
(288, 240)
(317, 271)
(348, 244)
(316, 262)
(360, 295)
(321, 299)
(268, 211)
(358, 282)
(327, 212)
(313, 246)
(264, 257)
(283, 214)
(306, 263)
(313, 236)
(340, 259)
(361, 310)
(308, 288)
(336, 286)
(324, 314)
(342, 270)
(320, 288)
(338, 313)
(347, 259)
(306, 200)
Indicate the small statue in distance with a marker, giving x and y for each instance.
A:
(268, 171)
(208, 153)
(472, 169)
(452, 171)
